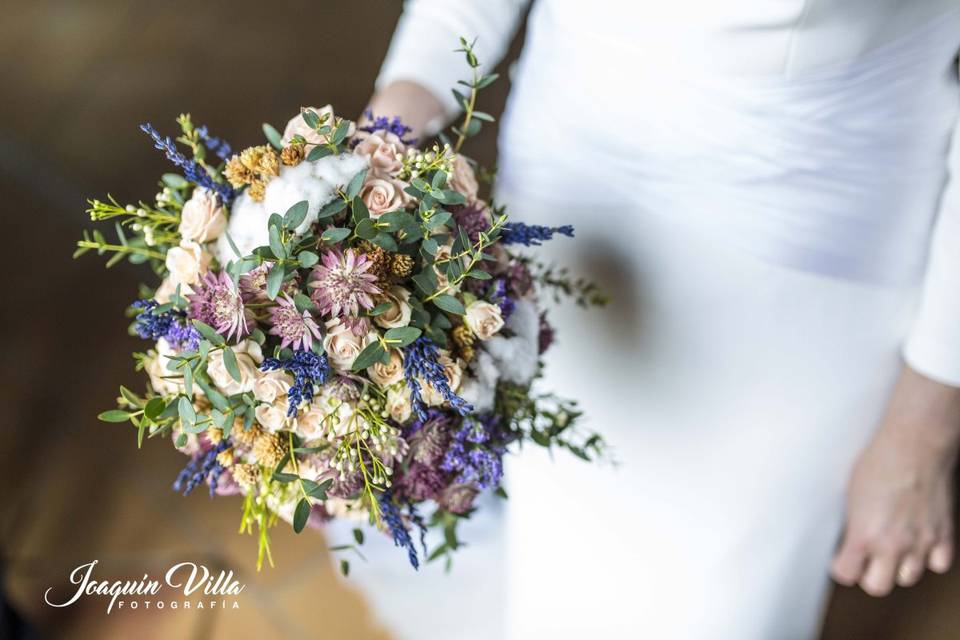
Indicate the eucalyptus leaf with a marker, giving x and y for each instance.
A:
(230, 362)
(334, 234)
(368, 356)
(274, 281)
(449, 304)
(301, 514)
(295, 215)
(273, 136)
(114, 415)
(353, 188)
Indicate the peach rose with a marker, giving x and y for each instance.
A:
(484, 319)
(383, 150)
(272, 417)
(341, 345)
(382, 195)
(398, 315)
(249, 357)
(186, 262)
(202, 218)
(299, 126)
(272, 385)
(398, 403)
(463, 179)
(310, 422)
(387, 374)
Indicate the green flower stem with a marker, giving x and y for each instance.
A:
(119, 248)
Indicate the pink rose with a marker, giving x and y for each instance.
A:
(202, 218)
(382, 195)
(463, 179)
(299, 126)
(383, 151)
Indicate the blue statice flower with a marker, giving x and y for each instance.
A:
(218, 145)
(192, 171)
(471, 455)
(401, 535)
(421, 359)
(532, 235)
(171, 325)
(383, 123)
(498, 296)
(200, 468)
(307, 368)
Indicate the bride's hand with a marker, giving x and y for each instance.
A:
(900, 497)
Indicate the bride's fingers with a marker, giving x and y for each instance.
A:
(849, 562)
(941, 556)
(911, 570)
(879, 577)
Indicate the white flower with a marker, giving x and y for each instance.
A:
(398, 315)
(272, 385)
(309, 423)
(341, 345)
(249, 357)
(484, 319)
(398, 403)
(202, 218)
(480, 388)
(517, 357)
(156, 368)
(272, 417)
(388, 374)
(186, 262)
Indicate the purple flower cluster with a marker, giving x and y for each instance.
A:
(307, 368)
(218, 145)
(472, 456)
(401, 535)
(421, 359)
(192, 171)
(383, 123)
(151, 324)
(498, 296)
(202, 467)
(532, 235)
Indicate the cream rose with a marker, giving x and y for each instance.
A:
(398, 315)
(444, 252)
(453, 373)
(387, 374)
(463, 179)
(309, 423)
(202, 218)
(272, 385)
(484, 319)
(186, 262)
(383, 150)
(299, 126)
(249, 357)
(156, 368)
(382, 195)
(341, 345)
(272, 417)
(165, 291)
(398, 403)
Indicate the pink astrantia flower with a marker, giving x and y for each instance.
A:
(216, 302)
(342, 283)
(296, 329)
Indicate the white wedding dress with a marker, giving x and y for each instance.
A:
(758, 184)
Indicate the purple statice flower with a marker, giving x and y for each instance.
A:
(532, 235)
(383, 123)
(498, 296)
(399, 531)
(307, 368)
(296, 329)
(519, 279)
(343, 284)
(421, 360)
(473, 218)
(217, 302)
(218, 145)
(471, 455)
(170, 325)
(201, 467)
(421, 482)
(547, 334)
(192, 171)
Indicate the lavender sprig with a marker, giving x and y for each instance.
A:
(192, 171)
(532, 235)
(421, 359)
(307, 368)
(401, 535)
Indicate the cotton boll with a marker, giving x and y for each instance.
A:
(479, 389)
(517, 357)
(315, 182)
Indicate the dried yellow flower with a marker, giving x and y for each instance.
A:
(225, 457)
(246, 475)
(237, 174)
(293, 155)
(268, 449)
(257, 190)
(250, 157)
(401, 265)
(244, 436)
(214, 434)
(464, 339)
(269, 163)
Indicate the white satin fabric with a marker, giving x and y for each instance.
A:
(758, 182)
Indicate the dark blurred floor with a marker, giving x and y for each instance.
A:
(77, 78)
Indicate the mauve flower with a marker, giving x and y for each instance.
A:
(343, 284)
(382, 195)
(458, 498)
(296, 329)
(382, 150)
(216, 302)
(202, 218)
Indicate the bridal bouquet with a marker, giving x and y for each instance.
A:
(341, 329)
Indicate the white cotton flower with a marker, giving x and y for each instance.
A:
(517, 356)
(480, 387)
(315, 182)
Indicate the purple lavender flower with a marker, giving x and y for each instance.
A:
(170, 325)
(296, 329)
(421, 359)
(532, 235)
(471, 455)
(201, 467)
(394, 521)
(191, 170)
(343, 284)
(498, 296)
(217, 303)
(383, 123)
(307, 368)
(218, 145)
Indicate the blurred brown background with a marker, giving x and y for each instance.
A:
(77, 78)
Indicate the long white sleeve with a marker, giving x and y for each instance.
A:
(933, 346)
(422, 49)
